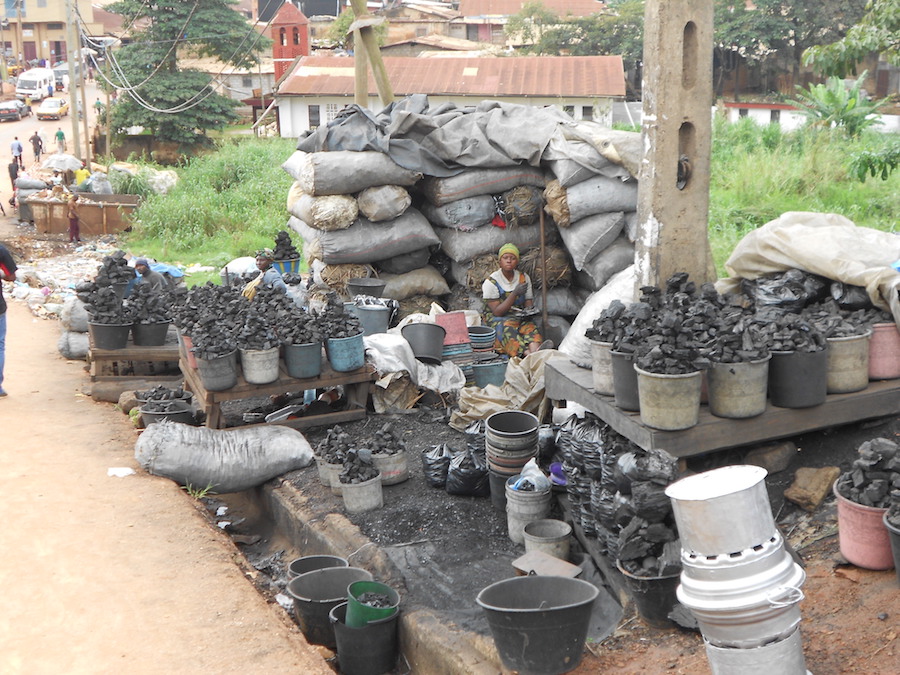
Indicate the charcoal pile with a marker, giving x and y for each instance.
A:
(102, 303)
(832, 322)
(147, 306)
(874, 477)
(358, 468)
(386, 442)
(335, 323)
(284, 247)
(257, 333)
(161, 393)
(114, 270)
(335, 447)
(789, 332)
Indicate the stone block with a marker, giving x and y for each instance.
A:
(128, 401)
(773, 458)
(811, 486)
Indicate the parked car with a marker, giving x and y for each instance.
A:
(53, 108)
(13, 110)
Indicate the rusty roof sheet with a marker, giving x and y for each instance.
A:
(475, 8)
(487, 77)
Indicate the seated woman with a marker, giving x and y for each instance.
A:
(507, 292)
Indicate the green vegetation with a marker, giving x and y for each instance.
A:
(232, 202)
(834, 104)
(226, 204)
(198, 493)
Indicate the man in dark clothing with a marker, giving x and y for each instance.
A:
(37, 144)
(155, 280)
(13, 173)
(7, 273)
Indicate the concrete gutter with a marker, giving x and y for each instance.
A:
(429, 642)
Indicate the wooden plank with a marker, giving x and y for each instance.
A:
(566, 381)
(137, 353)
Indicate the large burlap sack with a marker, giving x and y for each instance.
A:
(423, 281)
(384, 202)
(328, 212)
(615, 258)
(474, 182)
(74, 316)
(463, 214)
(406, 262)
(74, 345)
(463, 246)
(576, 345)
(589, 236)
(561, 300)
(345, 172)
(226, 460)
(365, 241)
(575, 161)
(596, 195)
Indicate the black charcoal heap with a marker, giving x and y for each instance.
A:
(832, 322)
(160, 393)
(335, 323)
(211, 315)
(284, 247)
(114, 269)
(257, 333)
(386, 442)
(102, 303)
(789, 332)
(358, 467)
(335, 446)
(148, 306)
(875, 474)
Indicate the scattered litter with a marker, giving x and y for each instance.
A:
(223, 524)
(285, 602)
(119, 471)
(221, 511)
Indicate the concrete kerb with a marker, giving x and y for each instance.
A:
(430, 644)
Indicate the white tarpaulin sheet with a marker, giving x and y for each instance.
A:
(826, 244)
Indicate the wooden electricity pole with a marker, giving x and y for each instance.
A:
(364, 25)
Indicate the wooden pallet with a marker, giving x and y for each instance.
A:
(133, 362)
(564, 381)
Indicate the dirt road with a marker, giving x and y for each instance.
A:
(103, 574)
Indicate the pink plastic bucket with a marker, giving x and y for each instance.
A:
(863, 538)
(884, 352)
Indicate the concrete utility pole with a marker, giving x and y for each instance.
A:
(73, 55)
(673, 185)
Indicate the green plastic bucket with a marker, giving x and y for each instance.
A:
(346, 354)
(303, 361)
(489, 373)
(360, 613)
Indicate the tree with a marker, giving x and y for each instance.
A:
(178, 105)
(835, 105)
(339, 32)
(529, 24)
(877, 31)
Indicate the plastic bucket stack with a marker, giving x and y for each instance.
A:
(510, 440)
(738, 579)
(316, 593)
(482, 339)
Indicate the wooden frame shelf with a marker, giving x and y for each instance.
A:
(564, 381)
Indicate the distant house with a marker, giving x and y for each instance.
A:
(318, 87)
(408, 20)
(235, 83)
(485, 20)
(430, 44)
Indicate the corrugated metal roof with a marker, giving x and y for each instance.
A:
(442, 42)
(487, 77)
(473, 8)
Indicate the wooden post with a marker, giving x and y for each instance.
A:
(543, 274)
(364, 22)
(673, 185)
(361, 97)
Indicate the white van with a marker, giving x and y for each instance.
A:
(37, 83)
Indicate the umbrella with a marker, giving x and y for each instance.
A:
(61, 162)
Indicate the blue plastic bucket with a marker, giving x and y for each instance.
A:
(346, 354)
(489, 373)
(303, 361)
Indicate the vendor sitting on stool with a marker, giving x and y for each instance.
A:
(506, 292)
(155, 280)
(268, 275)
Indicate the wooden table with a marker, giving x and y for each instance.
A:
(132, 362)
(564, 381)
(356, 387)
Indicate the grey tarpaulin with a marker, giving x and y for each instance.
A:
(442, 141)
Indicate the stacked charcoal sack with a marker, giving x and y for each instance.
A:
(616, 492)
(354, 213)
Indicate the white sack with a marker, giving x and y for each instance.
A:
(367, 242)
(575, 345)
(474, 182)
(344, 172)
(589, 236)
(384, 202)
(615, 258)
(463, 214)
(423, 281)
(390, 353)
(74, 316)
(74, 345)
(464, 246)
(228, 460)
(826, 244)
(328, 212)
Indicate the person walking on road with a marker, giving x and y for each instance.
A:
(37, 144)
(7, 273)
(13, 174)
(74, 229)
(60, 140)
(16, 147)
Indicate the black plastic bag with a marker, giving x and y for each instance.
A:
(789, 291)
(468, 475)
(435, 463)
(850, 297)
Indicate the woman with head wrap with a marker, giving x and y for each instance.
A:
(268, 275)
(507, 292)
